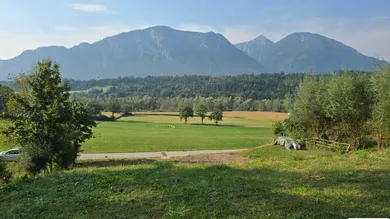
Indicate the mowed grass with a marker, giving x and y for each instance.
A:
(165, 132)
(274, 183)
(153, 131)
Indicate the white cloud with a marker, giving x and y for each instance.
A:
(92, 8)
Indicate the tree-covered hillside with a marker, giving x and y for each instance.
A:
(258, 87)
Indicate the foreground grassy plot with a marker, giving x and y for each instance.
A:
(150, 131)
(271, 183)
(146, 136)
(163, 131)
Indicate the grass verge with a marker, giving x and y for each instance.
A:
(274, 183)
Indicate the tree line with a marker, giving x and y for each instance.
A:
(186, 112)
(246, 86)
(348, 107)
(147, 103)
(246, 92)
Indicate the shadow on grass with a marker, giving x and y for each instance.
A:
(201, 191)
(213, 125)
(151, 114)
(189, 124)
(113, 162)
(129, 121)
(221, 191)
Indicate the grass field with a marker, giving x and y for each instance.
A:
(165, 132)
(272, 183)
(151, 131)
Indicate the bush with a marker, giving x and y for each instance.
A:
(5, 174)
(34, 158)
(279, 128)
(291, 129)
(104, 118)
(127, 114)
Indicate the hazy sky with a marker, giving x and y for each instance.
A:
(28, 24)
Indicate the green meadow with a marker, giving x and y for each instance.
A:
(105, 88)
(146, 132)
(165, 132)
(271, 183)
(137, 136)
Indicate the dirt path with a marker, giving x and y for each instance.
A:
(163, 155)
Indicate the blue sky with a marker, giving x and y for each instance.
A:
(27, 24)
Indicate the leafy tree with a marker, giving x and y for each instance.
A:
(126, 109)
(381, 113)
(350, 105)
(279, 128)
(201, 111)
(5, 94)
(308, 109)
(289, 128)
(216, 115)
(47, 124)
(5, 175)
(185, 112)
(94, 107)
(114, 106)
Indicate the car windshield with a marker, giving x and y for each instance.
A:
(13, 152)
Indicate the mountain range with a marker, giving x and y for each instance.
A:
(161, 50)
(307, 52)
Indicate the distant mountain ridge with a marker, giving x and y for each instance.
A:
(257, 48)
(156, 50)
(161, 50)
(307, 52)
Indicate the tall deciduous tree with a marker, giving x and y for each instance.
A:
(5, 94)
(381, 110)
(46, 123)
(309, 107)
(186, 112)
(201, 111)
(350, 104)
(114, 106)
(216, 115)
(94, 107)
(126, 109)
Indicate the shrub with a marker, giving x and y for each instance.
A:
(5, 174)
(289, 128)
(127, 114)
(104, 118)
(279, 129)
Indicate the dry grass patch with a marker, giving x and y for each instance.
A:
(238, 118)
(233, 157)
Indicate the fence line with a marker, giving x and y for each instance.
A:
(341, 145)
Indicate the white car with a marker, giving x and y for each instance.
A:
(11, 155)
